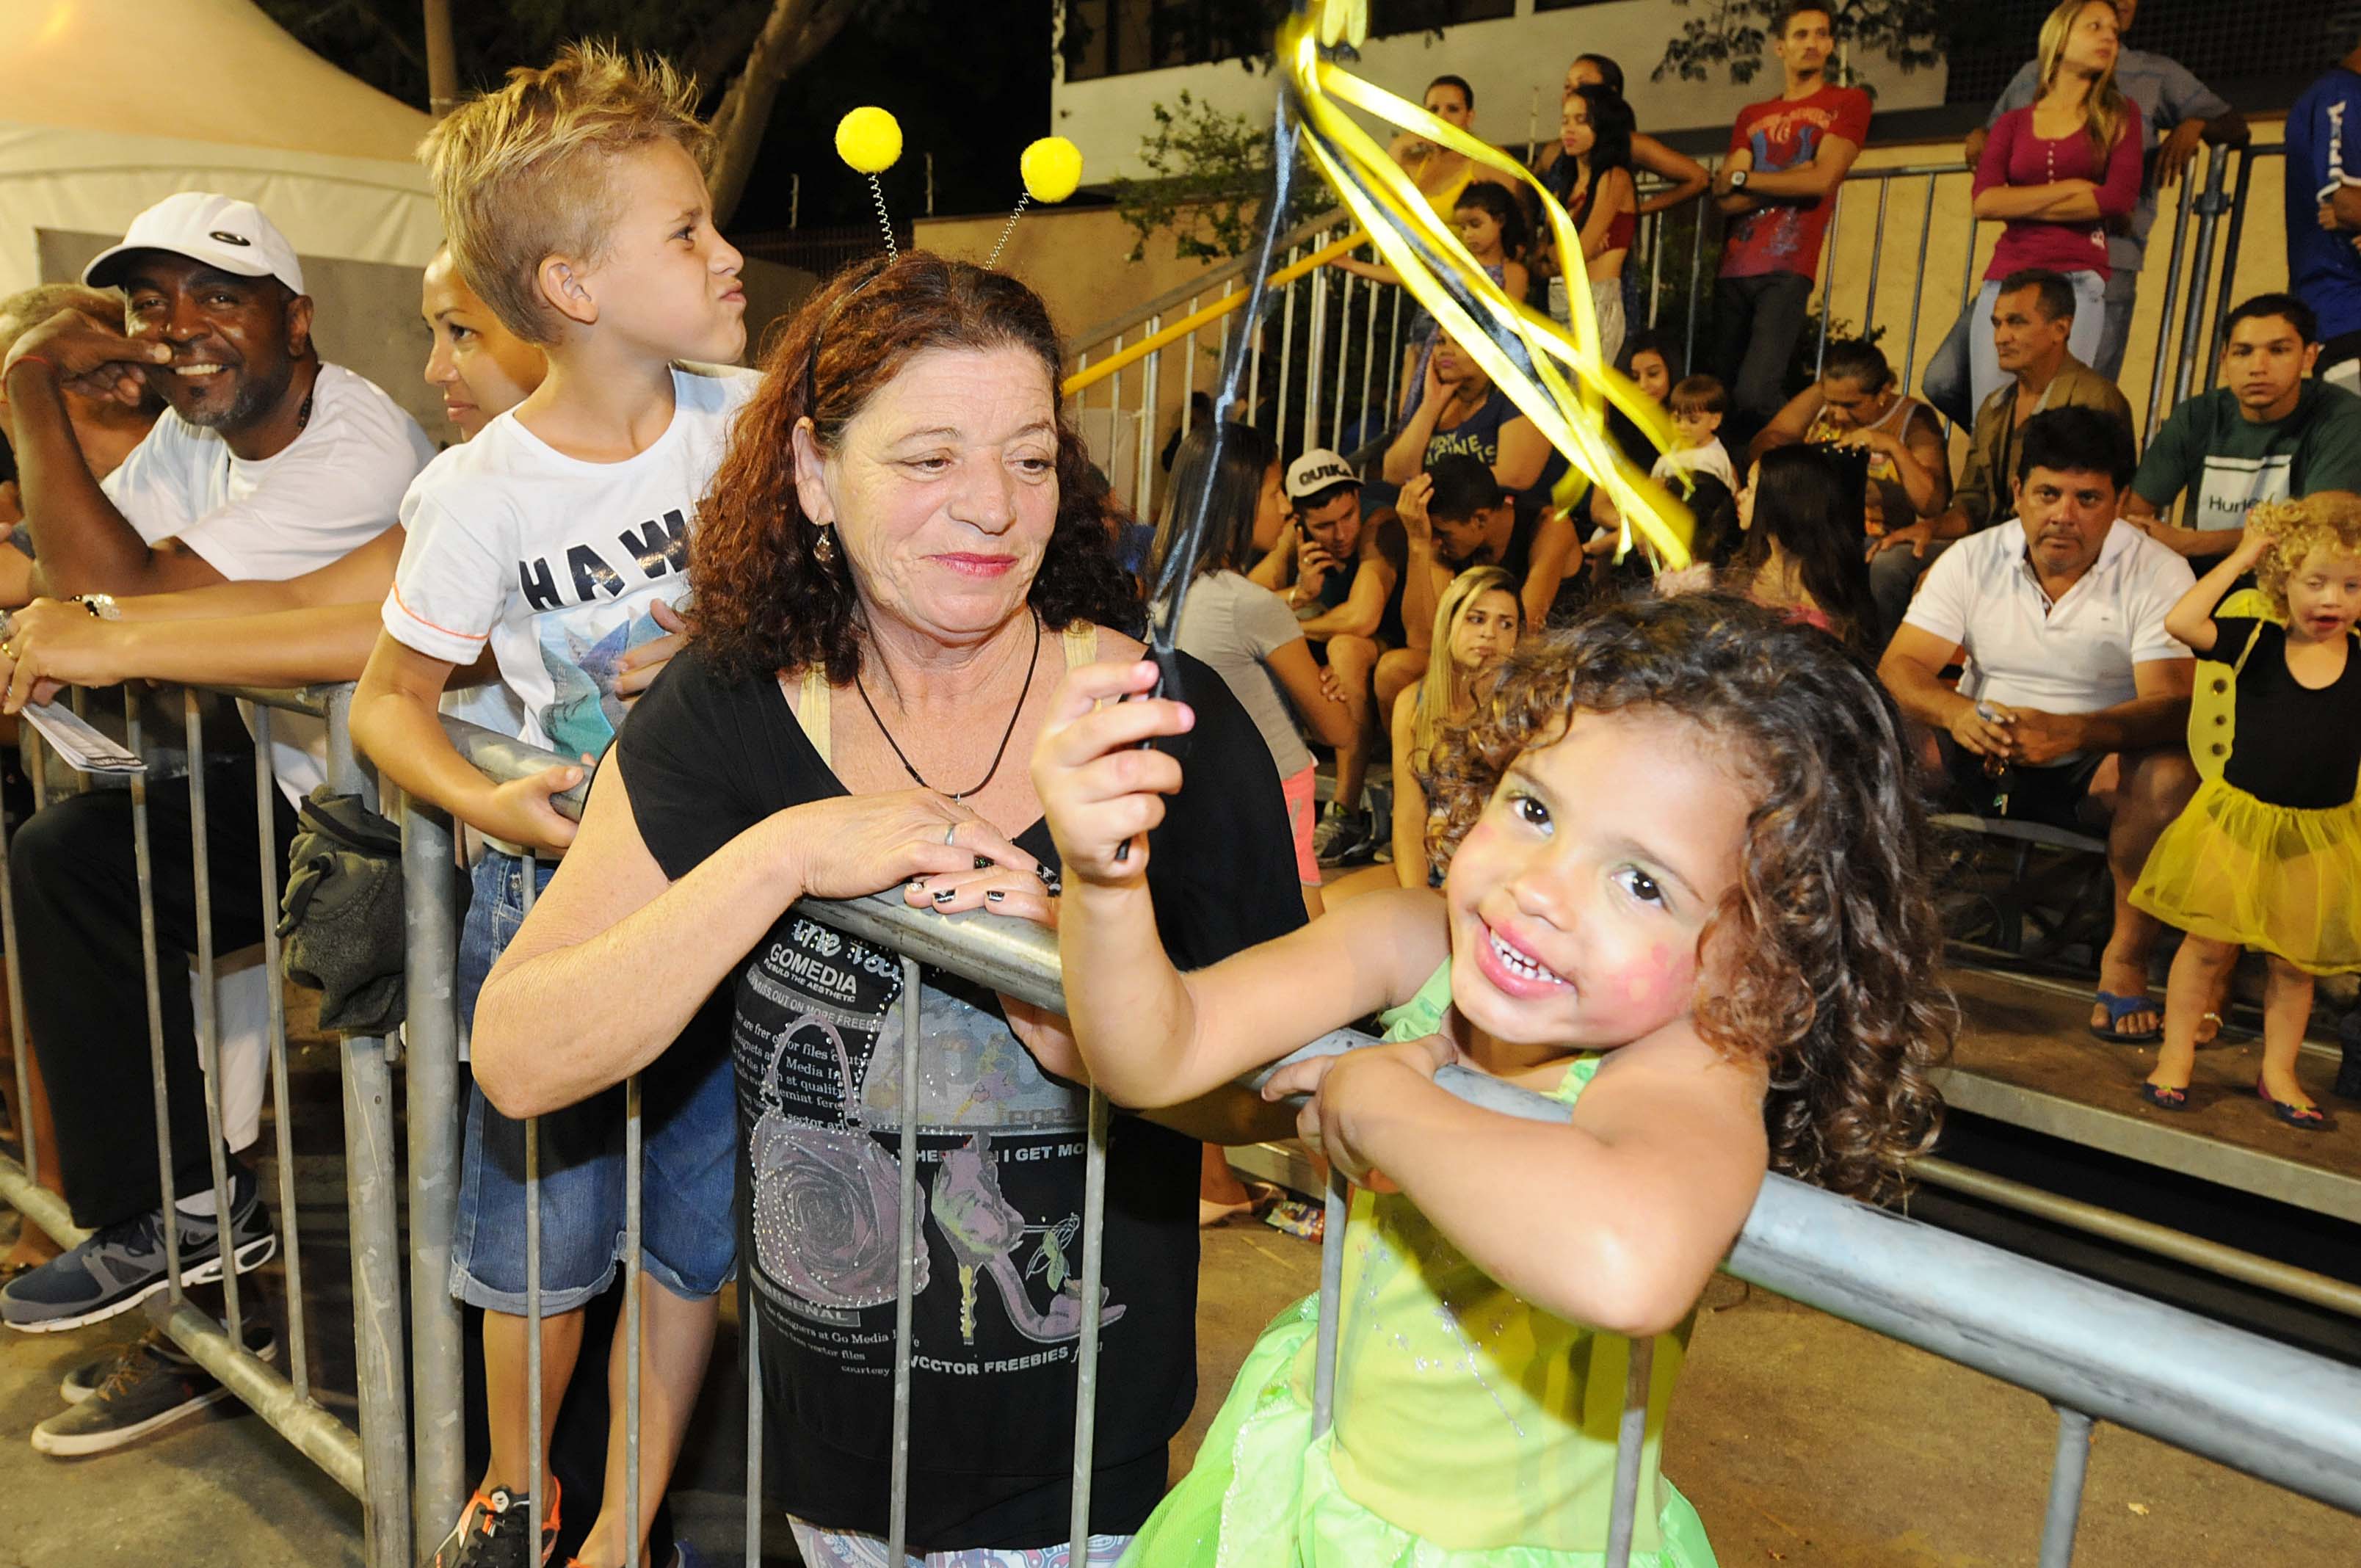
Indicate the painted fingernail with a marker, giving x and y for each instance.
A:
(994, 897)
(984, 862)
(945, 895)
(1045, 873)
(918, 882)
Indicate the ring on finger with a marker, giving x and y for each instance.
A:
(951, 833)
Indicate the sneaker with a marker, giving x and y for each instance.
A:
(124, 1264)
(146, 1386)
(1343, 837)
(493, 1530)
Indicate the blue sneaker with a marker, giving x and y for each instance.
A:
(124, 1264)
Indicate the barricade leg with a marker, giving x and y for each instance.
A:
(20, 1041)
(369, 1180)
(898, 1506)
(631, 1285)
(2064, 1513)
(430, 914)
(536, 1462)
(1086, 1351)
(266, 810)
(208, 1019)
(750, 1324)
(144, 869)
(1631, 1437)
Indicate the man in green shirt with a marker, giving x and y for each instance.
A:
(2268, 433)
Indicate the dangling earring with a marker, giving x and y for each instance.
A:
(824, 546)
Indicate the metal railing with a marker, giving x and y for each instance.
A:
(2097, 1353)
(372, 1464)
(1331, 353)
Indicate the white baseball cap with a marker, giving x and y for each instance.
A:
(1315, 471)
(219, 231)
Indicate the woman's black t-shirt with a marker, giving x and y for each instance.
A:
(817, 1036)
(2296, 746)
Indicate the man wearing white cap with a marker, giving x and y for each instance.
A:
(1342, 577)
(265, 465)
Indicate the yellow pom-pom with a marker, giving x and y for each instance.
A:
(869, 139)
(1052, 167)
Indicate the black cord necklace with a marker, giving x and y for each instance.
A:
(915, 777)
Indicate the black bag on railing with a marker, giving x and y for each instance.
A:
(341, 917)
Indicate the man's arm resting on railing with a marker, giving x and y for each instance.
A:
(359, 576)
(59, 644)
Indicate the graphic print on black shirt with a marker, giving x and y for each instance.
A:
(818, 1040)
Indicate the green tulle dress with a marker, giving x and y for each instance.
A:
(1472, 1431)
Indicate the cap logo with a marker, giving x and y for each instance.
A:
(228, 238)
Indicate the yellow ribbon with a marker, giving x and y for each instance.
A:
(1407, 232)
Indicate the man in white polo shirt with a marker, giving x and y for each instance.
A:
(267, 464)
(2059, 618)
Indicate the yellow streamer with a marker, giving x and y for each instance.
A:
(1406, 232)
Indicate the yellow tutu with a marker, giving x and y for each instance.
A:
(2240, 870)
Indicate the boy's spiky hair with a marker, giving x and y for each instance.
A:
(521, 173)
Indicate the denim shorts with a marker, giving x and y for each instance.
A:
(689, 1157)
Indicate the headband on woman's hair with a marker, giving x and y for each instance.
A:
(869, 139)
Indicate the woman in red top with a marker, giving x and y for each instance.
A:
(2059, 174)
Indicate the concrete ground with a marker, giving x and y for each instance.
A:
(1800, 1439)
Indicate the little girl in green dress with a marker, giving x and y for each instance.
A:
(1686, 897)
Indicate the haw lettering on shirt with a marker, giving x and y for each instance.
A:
(655, 547)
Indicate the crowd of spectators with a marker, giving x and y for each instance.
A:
(201, 498)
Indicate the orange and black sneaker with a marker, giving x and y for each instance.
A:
(494, 1532)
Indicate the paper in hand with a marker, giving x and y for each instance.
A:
(82, 748)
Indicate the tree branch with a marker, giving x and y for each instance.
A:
(795, 32)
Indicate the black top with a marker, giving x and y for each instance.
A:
(817, 1033)
(2294, 746)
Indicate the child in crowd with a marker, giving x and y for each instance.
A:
(577, 211)
(1687, 897)
(1800, 512)
(2268, 853)
(1698, 462)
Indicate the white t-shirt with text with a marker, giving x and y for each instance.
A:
(557, 562)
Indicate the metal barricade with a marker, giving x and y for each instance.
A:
(373, 1463)
(2095, 1352)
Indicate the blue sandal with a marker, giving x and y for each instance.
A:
(2120, 1008)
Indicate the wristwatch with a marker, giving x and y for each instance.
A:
(1737, 179)
(102, 606)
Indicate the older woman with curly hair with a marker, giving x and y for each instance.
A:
(898, 560)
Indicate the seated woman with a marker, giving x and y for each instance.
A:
(1478, 623)
(1459, 409)
(895, 566)
(1859, 405)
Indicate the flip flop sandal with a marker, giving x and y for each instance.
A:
(2165, 1098)
(2120, 1008)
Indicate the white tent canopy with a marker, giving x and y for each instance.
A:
(106, 106)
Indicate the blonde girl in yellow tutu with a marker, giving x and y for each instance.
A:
(2268, 853)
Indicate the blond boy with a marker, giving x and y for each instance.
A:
(573, 201)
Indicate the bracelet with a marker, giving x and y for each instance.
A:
(55, 373)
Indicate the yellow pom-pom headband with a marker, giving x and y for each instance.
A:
(870, 140)
(1051, 169)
